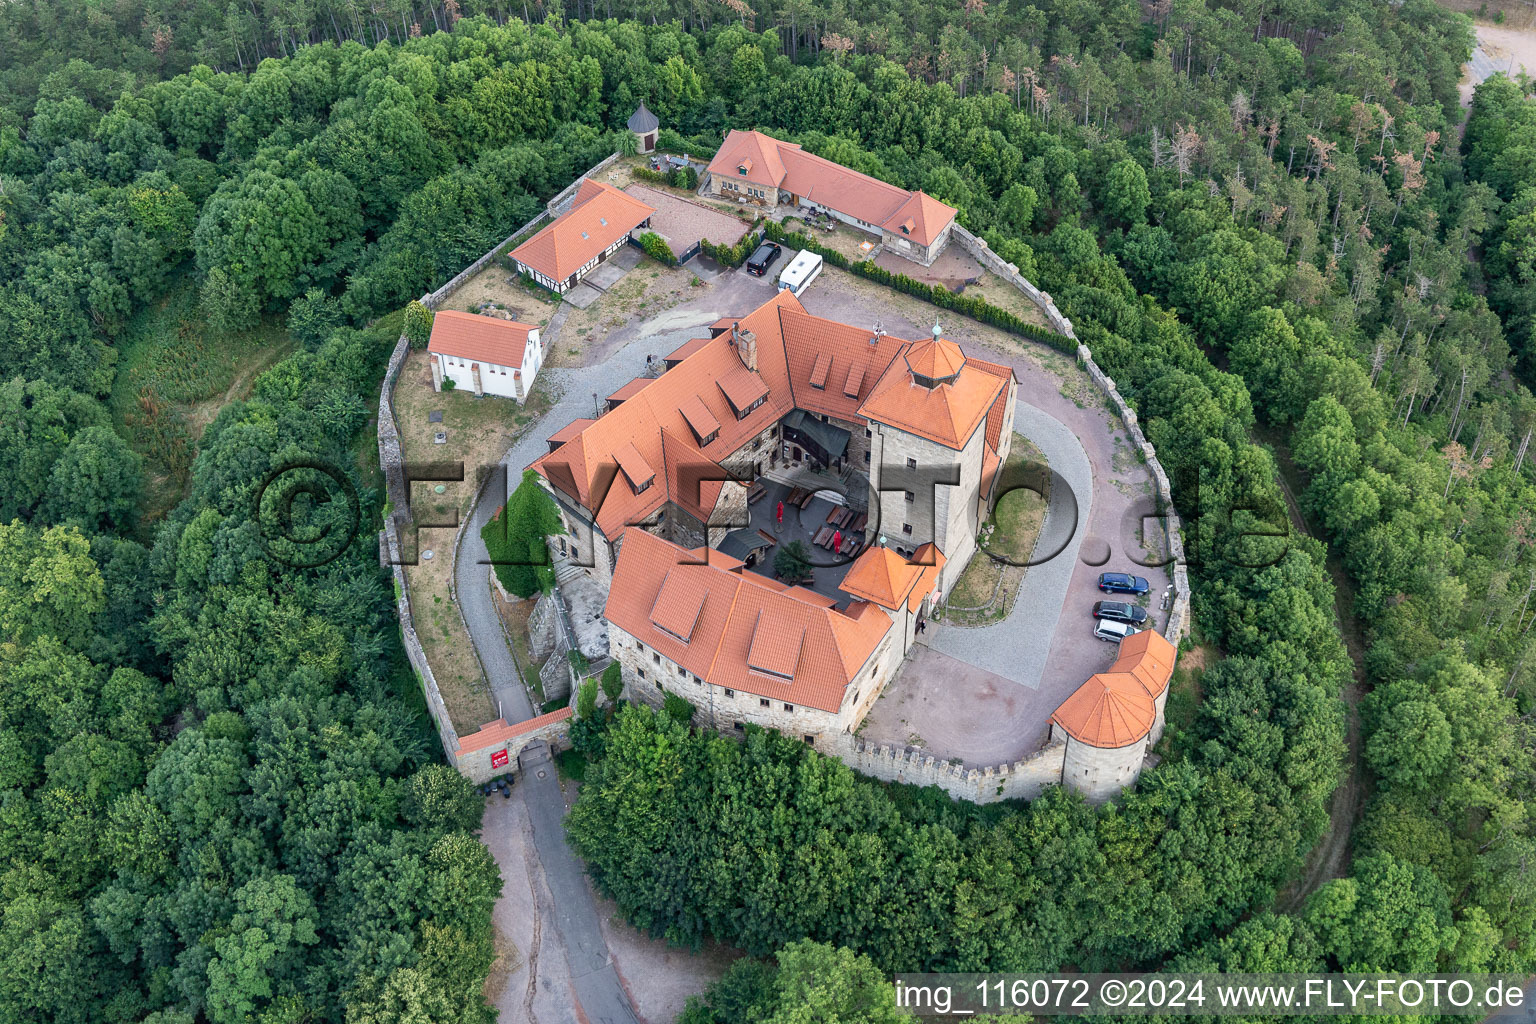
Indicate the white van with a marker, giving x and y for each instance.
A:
(802, 270)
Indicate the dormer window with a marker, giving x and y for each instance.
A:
(741, 171)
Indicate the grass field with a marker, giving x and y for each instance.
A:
(978, 597)
(173, 377)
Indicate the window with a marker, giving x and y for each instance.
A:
(757, 444)
(763, 701)
(911, 463)
(906, 528)
(910, 496)
(730, 692)
(640, 672)
(867, 432)
(866, 456)
(740, 728)
(789, 707)
(656, 657)
(741, 171)
(809, 738)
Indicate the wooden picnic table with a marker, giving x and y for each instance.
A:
(861, 522)
(823, 537)
(805, 502)
(832, 514)
(756, 492)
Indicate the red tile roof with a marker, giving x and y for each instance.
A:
(1118, 707)
(485, 339)
(774, 164)
(599, 216)
(948, 413)
(689, 401)
(498, 732)
(882, 576)
(630, 390)
(749, 633)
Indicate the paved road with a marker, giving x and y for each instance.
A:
(1017, 647)
(596, 984)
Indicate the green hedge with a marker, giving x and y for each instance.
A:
(970, 305)
(733, 255)
(679, 177)
(657, 248)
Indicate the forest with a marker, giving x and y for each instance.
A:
(1272, 223)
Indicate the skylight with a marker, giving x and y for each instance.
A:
(585, 235)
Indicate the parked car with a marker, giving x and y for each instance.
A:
(1120, 611)
(759, 262)
(1107, 629)
(1122, 583)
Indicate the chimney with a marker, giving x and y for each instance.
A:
(746, 346)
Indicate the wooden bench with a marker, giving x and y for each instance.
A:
(756, 492)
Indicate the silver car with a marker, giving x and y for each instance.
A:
(1108, 629)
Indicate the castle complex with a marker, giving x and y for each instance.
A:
(779, 427)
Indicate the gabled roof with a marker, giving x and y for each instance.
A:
(599, 216)
(630, 390)
(921, 218)
(748, 632)
(485, 339)
(772, 163)
(578, 468)
(642, 120)
(1118, 707)
(678, 604)
(865, 376)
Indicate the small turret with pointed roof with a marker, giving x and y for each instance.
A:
(644, 124)
(935, 362)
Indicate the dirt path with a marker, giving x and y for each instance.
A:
(1330, 858)
(1499, 48)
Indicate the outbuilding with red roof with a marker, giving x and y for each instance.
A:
(756, 169)
(484, 354)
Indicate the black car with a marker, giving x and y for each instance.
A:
(1120, 611)
(759, 262)
(1122, 583)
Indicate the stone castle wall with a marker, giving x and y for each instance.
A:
(1178, 619)
(1025, 779)
(398, 519)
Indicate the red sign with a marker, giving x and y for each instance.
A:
(498, 759)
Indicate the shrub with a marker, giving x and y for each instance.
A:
(653, 177)
(733, 255)
(418, 324)
(657, 249)
(679, 709)
(613, 681)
